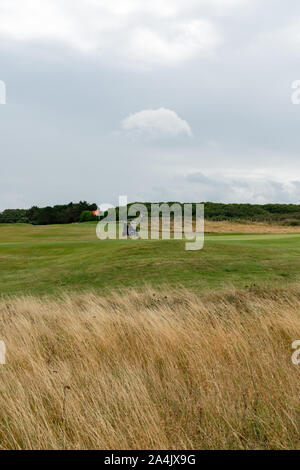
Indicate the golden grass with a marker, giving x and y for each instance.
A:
(143, 370)
(211, 226)
(251, 227)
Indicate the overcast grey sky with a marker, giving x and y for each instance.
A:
(184, 100)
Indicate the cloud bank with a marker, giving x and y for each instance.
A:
(163, 33)
(257, 189)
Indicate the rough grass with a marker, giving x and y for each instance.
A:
(142, 370)
(248, 227)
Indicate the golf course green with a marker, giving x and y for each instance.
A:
(49, 259)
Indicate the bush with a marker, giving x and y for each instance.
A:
(88, 216)
(13, 216)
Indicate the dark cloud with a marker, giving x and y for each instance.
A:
(252, 189)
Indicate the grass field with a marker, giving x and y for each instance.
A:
(144, 370)
(140, 344)
(45, 259)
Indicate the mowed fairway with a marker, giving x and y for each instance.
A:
(45, 259)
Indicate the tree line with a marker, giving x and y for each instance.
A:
(286, 213)
(82, 212)
(59, 214)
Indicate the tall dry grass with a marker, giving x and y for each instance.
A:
(151, 370)
(211, 226)
(248, 227)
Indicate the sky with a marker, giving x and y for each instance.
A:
(168, 100)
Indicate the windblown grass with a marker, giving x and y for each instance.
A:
(250, 227)
(140, 370)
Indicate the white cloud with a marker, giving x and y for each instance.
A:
(80, 24)
(165, 32)
(177, 43)
(158, 123)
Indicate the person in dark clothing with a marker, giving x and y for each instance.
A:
(125, 230)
